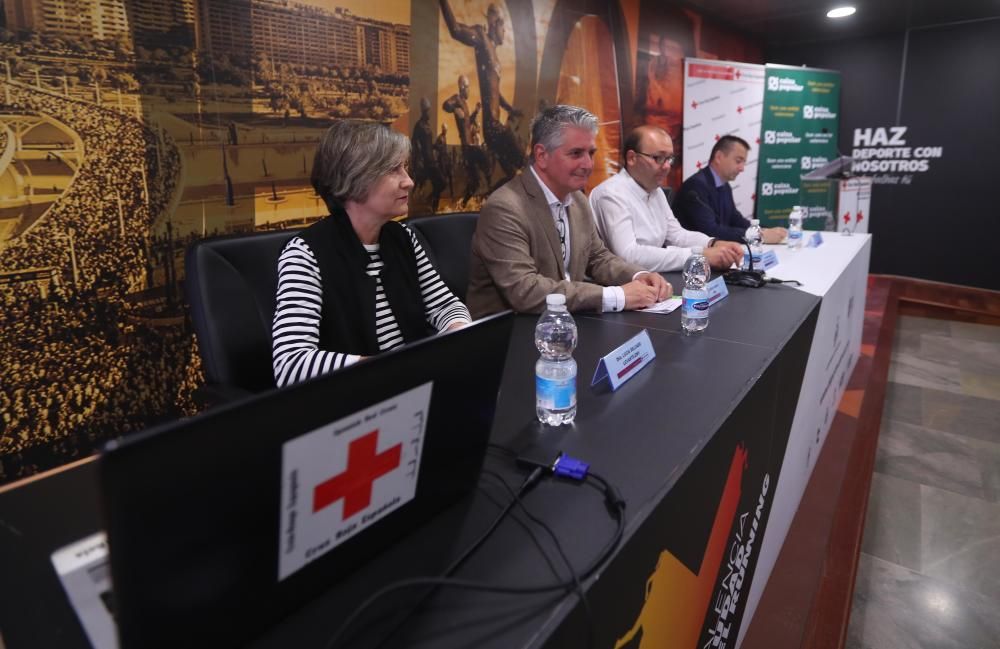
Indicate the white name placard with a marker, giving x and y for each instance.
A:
(763, 261)
(717, 290)
(625, 361)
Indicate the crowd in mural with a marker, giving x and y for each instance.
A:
(77, 361)
(77, 372)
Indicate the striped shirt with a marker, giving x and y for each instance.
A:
(295, 330)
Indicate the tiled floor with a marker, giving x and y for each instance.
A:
(929, 575)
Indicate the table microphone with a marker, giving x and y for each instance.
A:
(750, 277)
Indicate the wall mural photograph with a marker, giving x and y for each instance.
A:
(131, 128)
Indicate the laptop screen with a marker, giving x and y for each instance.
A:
(222, 524)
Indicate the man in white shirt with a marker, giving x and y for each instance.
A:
(634, 219)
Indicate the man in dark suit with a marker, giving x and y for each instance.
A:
(705, 202)
(536, 233)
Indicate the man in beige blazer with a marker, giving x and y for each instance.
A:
(536, 234)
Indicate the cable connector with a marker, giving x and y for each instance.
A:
(563, 465)
(570, 467)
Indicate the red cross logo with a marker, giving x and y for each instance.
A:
(753, 196)
(737, 74)
(847, 217)
(757, 140)
(860, 217)
(354, 485)
(698, 164)
(694, 104)
(739, 109)
(716, 137)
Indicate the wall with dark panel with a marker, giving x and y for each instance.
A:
(934, 217)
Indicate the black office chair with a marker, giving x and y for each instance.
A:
(448, 240)
(231, 284)
(669, 193)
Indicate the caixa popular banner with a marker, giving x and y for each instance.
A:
(798, 134)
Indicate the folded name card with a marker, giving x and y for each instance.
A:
(762, 261)
(816, 240)
(717, 290)
(625, 361)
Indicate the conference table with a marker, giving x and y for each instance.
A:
(694, 443)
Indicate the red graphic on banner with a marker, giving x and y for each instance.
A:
(698, 164)
(717, 137)
(694, 104)
(753, 196)
(677, 600)
(739, 109)
(860, 217)
(737, 75)
(757, 141)
(847, 217)
(354, 485)
(708, 71)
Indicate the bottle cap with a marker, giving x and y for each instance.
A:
(555, 299)
(697, 250)
(754, 221)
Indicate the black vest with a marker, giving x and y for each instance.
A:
(347, 321)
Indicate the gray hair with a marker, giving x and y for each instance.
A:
(352, 156)
(548, 126)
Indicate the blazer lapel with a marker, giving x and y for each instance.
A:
(543, 214)
(577, 263)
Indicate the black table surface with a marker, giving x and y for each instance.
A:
(641, 437)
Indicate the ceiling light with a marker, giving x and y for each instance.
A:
(840, 12)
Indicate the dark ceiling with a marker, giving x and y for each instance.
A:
(782, 22)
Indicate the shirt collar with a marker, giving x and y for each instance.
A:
(633, 185)
(550, 198)
(719, 182)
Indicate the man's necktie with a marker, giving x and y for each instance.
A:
(561, 229)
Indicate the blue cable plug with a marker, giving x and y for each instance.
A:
(570, 467)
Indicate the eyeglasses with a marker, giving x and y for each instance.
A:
(660, 159)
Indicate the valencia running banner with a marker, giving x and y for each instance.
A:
(798, 134)
(723, 98)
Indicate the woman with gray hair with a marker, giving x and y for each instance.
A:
(357, 282)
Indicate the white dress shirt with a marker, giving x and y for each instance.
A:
(613, 298)
(640, 227)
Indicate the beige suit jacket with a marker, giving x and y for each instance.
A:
(516, 259)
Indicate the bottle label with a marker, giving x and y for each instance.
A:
(794, 234)
(553, 394)
(695, 307)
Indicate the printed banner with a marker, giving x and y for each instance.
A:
(854, 206)
(837, 205)
(723, 98)
(799, 133)
(344, 477)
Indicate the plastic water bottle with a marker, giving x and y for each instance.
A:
(555, 371)
(795, 228)
(694, 309)
(755, 237)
